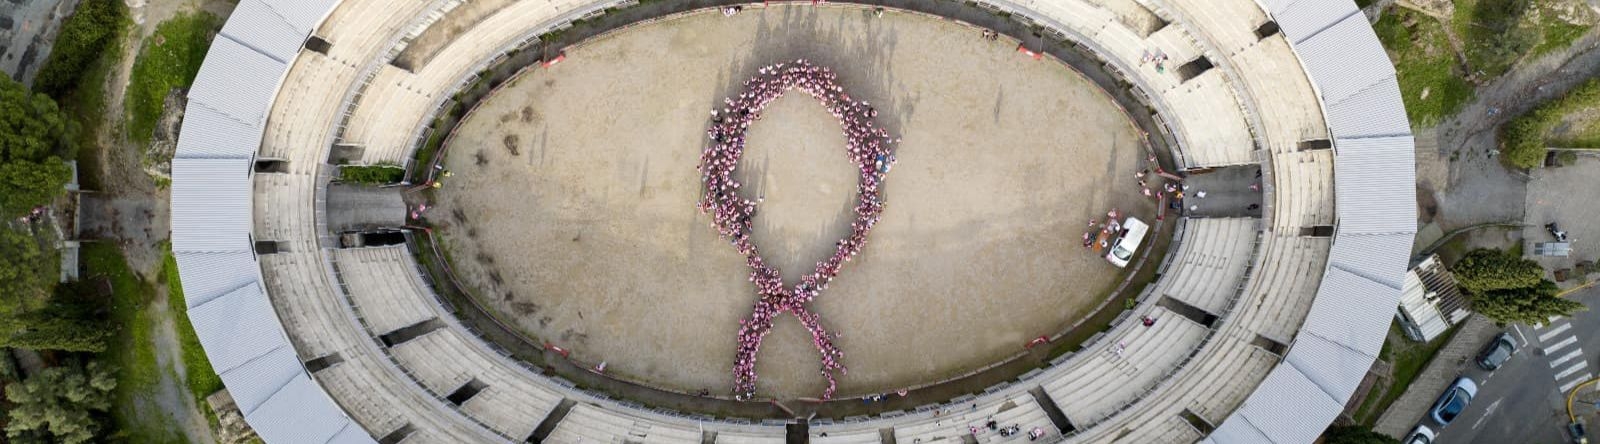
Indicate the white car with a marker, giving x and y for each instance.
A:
(1127, 243)
(1420, 435)
(1453, 401)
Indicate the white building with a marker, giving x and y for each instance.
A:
(1430, 302)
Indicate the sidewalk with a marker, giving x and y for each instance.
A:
(1451, 361)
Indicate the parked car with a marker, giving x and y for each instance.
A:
(1420, 435)
(1497, 352)
(1453, 401)
(1127, 242)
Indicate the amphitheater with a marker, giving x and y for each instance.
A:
(1270, 321)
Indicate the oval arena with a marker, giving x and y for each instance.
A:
(556, 265)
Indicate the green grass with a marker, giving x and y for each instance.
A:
(1573, 121)
(374, 174)
(200, 377)
(169, 59)
(1492, 33)
(1408, 359)
(1556, 35)
(1431, 81)
(133, 352)
(1499, 33)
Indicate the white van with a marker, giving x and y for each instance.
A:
(1127, 242)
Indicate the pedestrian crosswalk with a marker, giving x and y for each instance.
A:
(1566, 357)
(1553, 331)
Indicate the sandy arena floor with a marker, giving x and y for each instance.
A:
(572, 207)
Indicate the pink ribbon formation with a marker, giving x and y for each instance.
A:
(868, 148)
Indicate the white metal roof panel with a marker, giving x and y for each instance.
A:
(352, 434)
(1375, 185)
(299, 413)
(1345, 58)
(302, 14)
(1337, 369)
(1236, 430)
(210, 205)
(1299, 19)
(207, 132)
(1380, 257)
(258, 26)
(238, 82)
(252, 383)
(1288, 408)
(1373, 112)
(207, 276)
(1352, 311)
(237, 327)
(1375, 194)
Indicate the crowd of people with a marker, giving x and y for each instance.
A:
(867, 146)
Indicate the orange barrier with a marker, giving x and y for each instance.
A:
(559, 57)
(553, 347)
(1024, 49)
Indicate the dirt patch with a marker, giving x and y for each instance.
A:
(590, 238)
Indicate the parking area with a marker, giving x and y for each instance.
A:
(1565, 196)
(1453, 360)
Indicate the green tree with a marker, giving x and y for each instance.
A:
(32, 127)
(24, 285)
(1527, 305)
(25, 185)
(34, 137)
(1484, 270)
(59, 404)
(1355, 435)
(46, 331)
(88, 33)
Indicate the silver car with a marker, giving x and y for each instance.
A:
(1497, 352)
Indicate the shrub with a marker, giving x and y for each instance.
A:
(1567, 158)
(374, 174)
(85, 35)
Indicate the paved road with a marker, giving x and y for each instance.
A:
(1523, 401)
